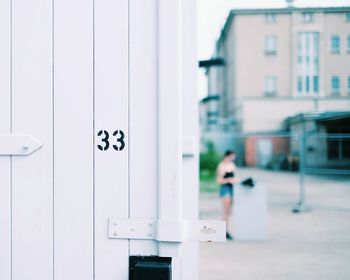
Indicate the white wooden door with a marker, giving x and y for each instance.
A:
(107, 88)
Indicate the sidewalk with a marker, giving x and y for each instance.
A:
(311, 245)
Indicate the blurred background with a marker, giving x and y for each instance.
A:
(274, 86)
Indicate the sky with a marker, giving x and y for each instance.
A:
(211, 16)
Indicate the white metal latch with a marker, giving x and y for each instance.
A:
(18, 145)
(188, 147)
(169, 231)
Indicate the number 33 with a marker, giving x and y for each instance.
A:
(118, 134)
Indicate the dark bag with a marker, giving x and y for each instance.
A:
(249, 183)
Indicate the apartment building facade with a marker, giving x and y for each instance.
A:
(278, 63)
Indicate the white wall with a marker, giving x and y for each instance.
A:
(267, 115)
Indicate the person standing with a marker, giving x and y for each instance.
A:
(226, 178)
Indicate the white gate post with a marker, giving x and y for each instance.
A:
(190, 170)
(170, 122)
(5, 127)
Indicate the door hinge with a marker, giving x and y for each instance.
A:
(18, 145)
(168, 231)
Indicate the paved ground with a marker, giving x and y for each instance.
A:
(310, 245)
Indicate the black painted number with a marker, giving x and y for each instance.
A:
(104, 140)
(119, 139)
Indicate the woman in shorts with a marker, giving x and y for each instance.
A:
(227, 178)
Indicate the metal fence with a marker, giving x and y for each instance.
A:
(309, 155)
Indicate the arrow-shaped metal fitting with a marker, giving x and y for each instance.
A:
(18, 145)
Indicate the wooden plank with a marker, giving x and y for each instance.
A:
(190, 178)
(111, 114)
(169, 106)
(169, 123)
(143, 117)
(5, 127)
(32, 235)
(73, 139)
(190, 123)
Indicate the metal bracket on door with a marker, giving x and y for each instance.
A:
(168, 231)
(18, 145)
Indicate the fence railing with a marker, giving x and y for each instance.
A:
(305, 153)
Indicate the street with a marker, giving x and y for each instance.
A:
(308, 245)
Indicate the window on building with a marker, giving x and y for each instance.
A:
(348, 17)
(212, 114)
(308, 63)
(315, 82)
(300, 84)
(348, 43)
(348, 85)
(338, 149)
(270, 18)
(335, 44)
(335, 85)
(307, 17)
(270, 86)
(307, 84)
(270, 45)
